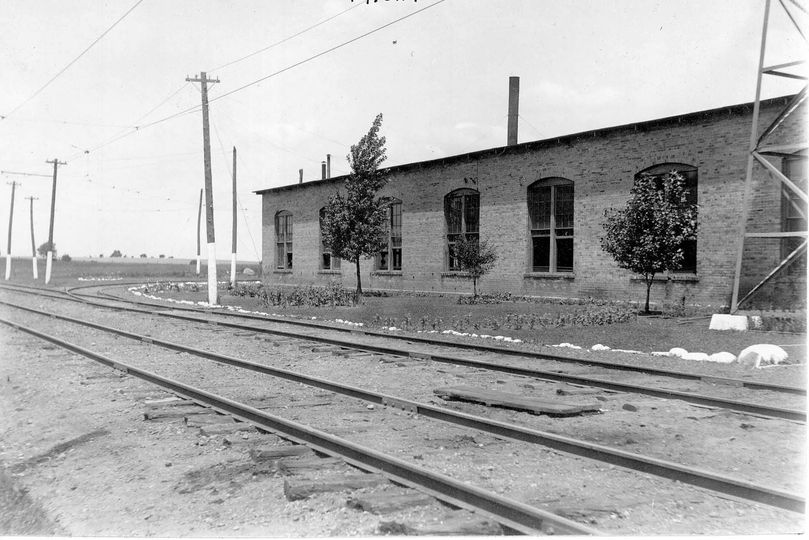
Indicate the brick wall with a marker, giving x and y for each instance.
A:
(602, 166)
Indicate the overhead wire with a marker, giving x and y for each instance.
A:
(76, 59)
(268, 47)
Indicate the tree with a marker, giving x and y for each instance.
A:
(66, 258)
(646, 236)
(116, 253)
(44, 248)
(354, 224)
(475, 257)
(142, 255)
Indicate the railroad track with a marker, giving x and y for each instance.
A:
(696, 477)
(616, 381)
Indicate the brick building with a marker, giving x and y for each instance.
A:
(541, 205)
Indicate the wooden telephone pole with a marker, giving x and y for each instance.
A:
(213, 297)
(33, 243)
(49, 260)
(233, 249)
(10, 222)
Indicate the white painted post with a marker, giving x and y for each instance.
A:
(233, 270)
(8, 266)
(34, 266)
(212, 292)
(48, 262)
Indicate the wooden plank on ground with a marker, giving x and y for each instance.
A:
(386, 503)
(296, 466)
(295, 490)
(175, 412)
(513, 401)
(224, 429)
(199, 420)
(270, 454)
(458, 523)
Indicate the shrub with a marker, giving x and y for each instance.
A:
(334, 294)
(66, 258)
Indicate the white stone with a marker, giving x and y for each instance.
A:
(599, 347)
(628, 351)
(728, 322)
(762, 355)
(677, 351)
(697, 356)
(248, 272)
(756, 322)
(660, 353)
(722, 357)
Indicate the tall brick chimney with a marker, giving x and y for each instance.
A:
(513, 109)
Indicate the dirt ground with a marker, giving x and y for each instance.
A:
(77, 459)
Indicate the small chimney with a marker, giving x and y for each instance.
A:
(328, 165)
(513, 109)
(322, 170)
(300, 173)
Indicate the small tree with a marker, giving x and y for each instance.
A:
(646, 236)
(475, 257)
(354, 223)
(44, 248)
(116, 253)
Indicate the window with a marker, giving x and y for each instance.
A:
(793, 209)
(550, 210)
(689, 173)
(462, 213)
(327, 262)
(390, 258)
(283, 240)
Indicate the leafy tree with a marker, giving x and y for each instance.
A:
(475, 257)
(646, 236)
(44, 248)
(354, 224)
(66, 258)
(116, 253)
(161, 256)
(142, 255)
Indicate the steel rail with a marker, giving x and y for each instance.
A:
(514, 514)
(689, 397)
(488, 348)
(457, 345)
(658, 467)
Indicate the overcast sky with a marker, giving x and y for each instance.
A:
(440, 77)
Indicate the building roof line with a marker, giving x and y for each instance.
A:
(551, 141)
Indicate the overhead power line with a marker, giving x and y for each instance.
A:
(257, 81)
(99, 38)
(268, 47)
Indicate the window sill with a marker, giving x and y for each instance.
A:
(279, 271)
(454, 274)
(683, 278)
(386, 273)
(549, 275)
(330, 272)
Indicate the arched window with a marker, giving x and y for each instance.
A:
(462, 214)
(283, 240)
(550, 211)
(689, 173)
(390, 258)
(327, 261)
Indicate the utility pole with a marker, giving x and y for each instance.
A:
(33, 243)
(10, 221)
(233, 249)
(49, 260)
(213, 297)
(199, 219)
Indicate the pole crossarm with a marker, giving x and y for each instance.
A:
(797, 252)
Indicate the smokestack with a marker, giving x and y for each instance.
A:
(328, 165)
(513, 109)
(300, 173)
(322, 170)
